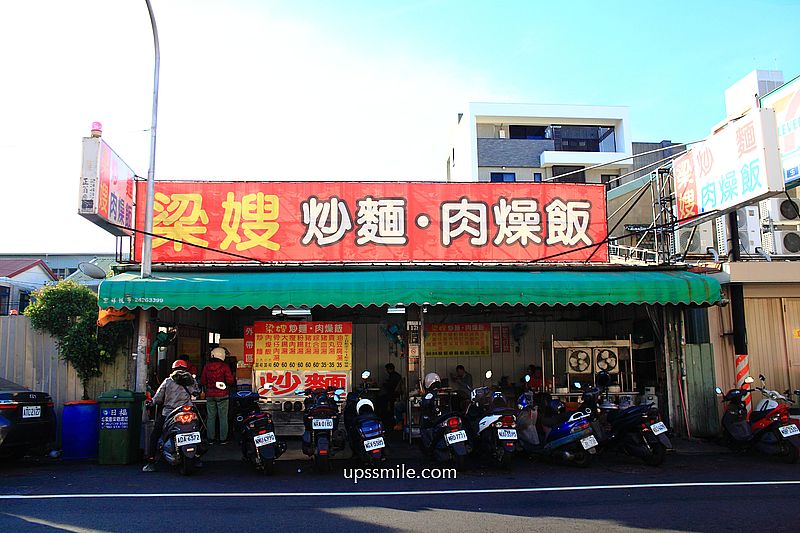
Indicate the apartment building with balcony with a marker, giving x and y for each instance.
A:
(535, 142)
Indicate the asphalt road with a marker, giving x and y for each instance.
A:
(691, 492)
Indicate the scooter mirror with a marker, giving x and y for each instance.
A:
(527, 378)
(365, 374)
(749, 379)
(488, 374)
(762, 378)
(338, 392)
(718, 390)
(300, 392)
(429, 396)
(576, 384)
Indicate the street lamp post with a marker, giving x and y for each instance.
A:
(147, 239)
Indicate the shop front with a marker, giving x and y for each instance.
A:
(291, 330)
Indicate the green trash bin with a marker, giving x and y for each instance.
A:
(120, 425)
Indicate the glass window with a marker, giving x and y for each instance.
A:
(5, 297)
(502, 177)
(584, 138)
(24, 300)
(577, 177)
(528, 132)
(610, 180)
(537, 177)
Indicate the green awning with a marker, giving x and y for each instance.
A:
(283, 289)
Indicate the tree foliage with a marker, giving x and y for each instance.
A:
(68, 311)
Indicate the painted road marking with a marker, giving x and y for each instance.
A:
(396, 493)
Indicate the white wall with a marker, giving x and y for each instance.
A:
(36, 275)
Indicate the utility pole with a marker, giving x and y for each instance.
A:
(147, 239)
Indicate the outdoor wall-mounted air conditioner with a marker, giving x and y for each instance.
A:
(749, 226)
(780, 210)
(702, 240)
(783, 242)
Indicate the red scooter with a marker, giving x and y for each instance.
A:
(768, 429)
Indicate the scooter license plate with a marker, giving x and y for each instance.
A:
(31, 411)
(374, 444)
(263, 440)
(456, 436)
(588, 442)
(507, 434)
(658, 428)
(789, 431)
(187, 438)
(322, 423)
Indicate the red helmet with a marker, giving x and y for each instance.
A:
(180, 363)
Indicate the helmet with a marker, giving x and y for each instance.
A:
(430, 379)
(218, 353)
(180, 363)
(364, 403)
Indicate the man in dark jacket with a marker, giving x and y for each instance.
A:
(217, 378)
(389, 393)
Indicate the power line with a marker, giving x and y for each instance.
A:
(622, 159)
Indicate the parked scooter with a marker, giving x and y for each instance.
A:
(636, 430)
(491, 425)
(768, 430)
(442, 432)
(322, 437)
(364, 428)
(180, 443)
(545, 429)
(260, 446)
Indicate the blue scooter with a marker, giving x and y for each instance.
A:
(544, 428)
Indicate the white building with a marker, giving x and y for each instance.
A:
(535, 142)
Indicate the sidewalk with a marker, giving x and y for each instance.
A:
(684, 446)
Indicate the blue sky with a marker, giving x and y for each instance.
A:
(340, 90)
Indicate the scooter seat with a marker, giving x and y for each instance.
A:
(755, 416)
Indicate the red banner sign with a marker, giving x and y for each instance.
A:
(284, 383)
(376, 222)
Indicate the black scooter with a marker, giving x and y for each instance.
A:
(364, 428)
(443, 435)
(322, 437)
(637, 431)
(260, 446)
(180, 443)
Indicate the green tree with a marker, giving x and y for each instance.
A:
(68, 312)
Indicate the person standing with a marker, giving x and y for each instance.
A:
(216, 378)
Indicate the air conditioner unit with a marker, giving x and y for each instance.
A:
(702, 240)
(749, 229)
(749, 224)
(780, 210)
(579, 360)
(782, 242)
(606, 359)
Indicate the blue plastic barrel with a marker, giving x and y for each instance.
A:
(80, 430)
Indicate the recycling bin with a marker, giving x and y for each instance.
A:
(120, 426)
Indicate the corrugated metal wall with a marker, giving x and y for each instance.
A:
(514, 364)
(766, 342)
(30, 358)
(791, 322)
